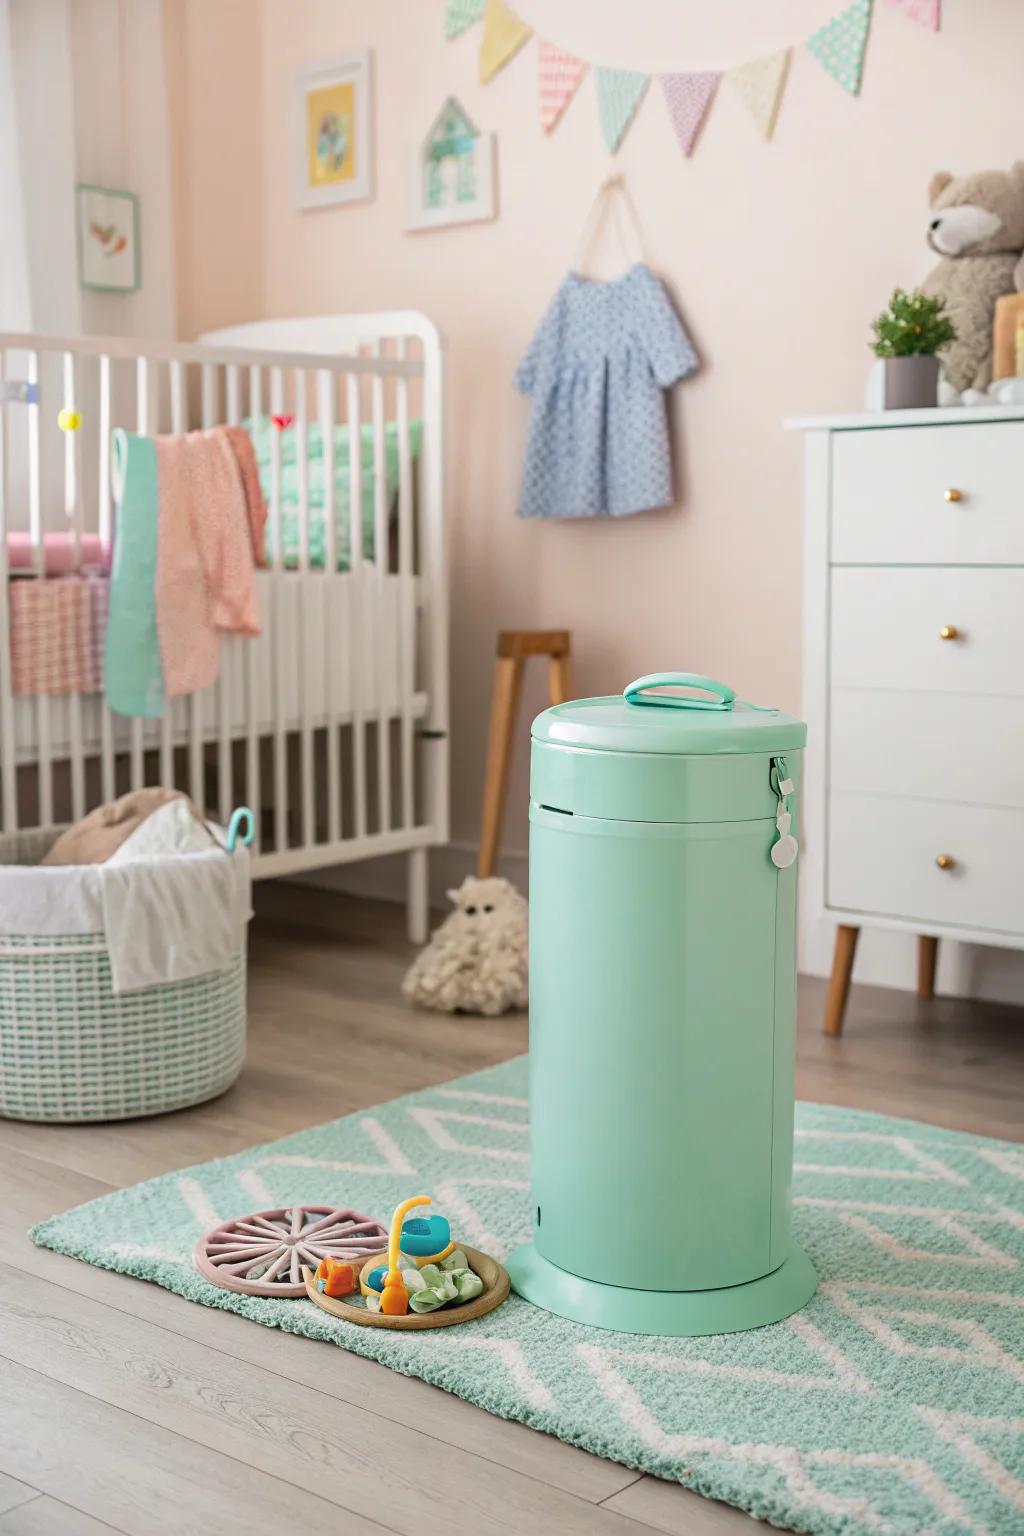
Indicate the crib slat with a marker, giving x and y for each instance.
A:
(380, 636)
(35, 516)
(107, 776)
(234, 394)
(179, 423)
(209, 395)
(406, 593)
(303, 659)
(332, 588)
(8, 771)
(355, 649)
(176, 397)
(278, 619)
(226, 686)
(73, 517)
(137, 763)
(253, 797)
(225, 768)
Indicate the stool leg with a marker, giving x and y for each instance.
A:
(558, 679)
(508, 681)
(927, 958)
(839, 985)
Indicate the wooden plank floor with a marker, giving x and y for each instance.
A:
(125, 1409)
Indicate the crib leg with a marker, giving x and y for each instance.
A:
(417, 901)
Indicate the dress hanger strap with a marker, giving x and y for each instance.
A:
(612, 200)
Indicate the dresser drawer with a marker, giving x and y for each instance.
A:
(882, 853)
(931, 746)
(887, 623)
(889, 489)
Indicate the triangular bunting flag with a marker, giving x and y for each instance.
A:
(761, 84)
(459, 15)
(619, 94)
(559, 74)
(688, 98)
(504, 35)
(927, 12)
(839, 45)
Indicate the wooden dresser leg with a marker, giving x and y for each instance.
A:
(839, 985)
(927, 957)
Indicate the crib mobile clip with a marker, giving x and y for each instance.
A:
(19, 392)
(239, 818)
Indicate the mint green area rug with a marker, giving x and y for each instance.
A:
(894, 1402)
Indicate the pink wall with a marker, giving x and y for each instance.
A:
(778, 254)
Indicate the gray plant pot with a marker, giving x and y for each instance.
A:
(910, 382)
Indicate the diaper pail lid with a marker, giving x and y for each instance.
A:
(677, 712)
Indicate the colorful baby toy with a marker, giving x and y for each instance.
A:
(423, 1281)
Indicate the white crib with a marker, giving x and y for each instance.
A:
(332, 724)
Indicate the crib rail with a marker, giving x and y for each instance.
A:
(332, 724)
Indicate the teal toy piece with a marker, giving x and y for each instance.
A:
(242, 817)
(425, 1236)
(662, 1014)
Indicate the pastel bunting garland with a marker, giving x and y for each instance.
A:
(558, 77)
(619, 94)
(688, 97)
(760, 85)
(460, 15)
(839, 45)
(504, 35)
(927, 12)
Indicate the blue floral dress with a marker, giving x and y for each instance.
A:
(596, 371)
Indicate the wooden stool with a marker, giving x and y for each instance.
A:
(842, 970)
(514, 646)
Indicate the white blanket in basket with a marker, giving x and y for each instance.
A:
(172, 903)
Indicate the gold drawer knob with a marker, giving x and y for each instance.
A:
(945, 861)
(949, 632)
(953, 494)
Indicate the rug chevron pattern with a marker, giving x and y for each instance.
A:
(893, 1403)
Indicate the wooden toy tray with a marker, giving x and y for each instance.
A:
(493, 1275)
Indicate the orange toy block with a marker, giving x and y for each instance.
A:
(337, 1277)
(394, 1298)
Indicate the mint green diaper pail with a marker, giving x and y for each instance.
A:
(663, 870)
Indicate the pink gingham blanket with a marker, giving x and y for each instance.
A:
(57, 628)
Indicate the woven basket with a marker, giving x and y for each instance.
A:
(71, 1049)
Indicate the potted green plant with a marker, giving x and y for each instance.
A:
(908, 335)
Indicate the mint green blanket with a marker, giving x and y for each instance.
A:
(262, 431)
(132, 675)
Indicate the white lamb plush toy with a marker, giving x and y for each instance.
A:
(476, 961)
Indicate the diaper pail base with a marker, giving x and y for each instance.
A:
(671, 1314)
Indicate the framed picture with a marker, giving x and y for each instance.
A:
(451, 173)
(334, 132)
(108, 239)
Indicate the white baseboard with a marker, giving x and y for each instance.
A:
(884, 958)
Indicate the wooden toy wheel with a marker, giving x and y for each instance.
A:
(263, 1254)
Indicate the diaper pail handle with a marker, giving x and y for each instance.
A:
(636, 692)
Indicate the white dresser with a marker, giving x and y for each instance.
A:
(914, 680)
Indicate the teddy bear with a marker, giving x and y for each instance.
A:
(476, 960)
(977, 227)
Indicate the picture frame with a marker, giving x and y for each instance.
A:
(334, 143)
(107, 229)
(451, 172)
